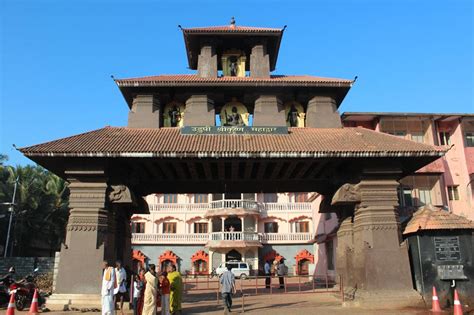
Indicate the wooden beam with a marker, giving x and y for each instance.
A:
(207, 170)
(248, 170)
(192, 170)
(302, 170)
(276, 170)
(262, 166)
(289, 170)
(235, 170)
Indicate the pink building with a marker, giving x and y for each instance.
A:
(447, 182)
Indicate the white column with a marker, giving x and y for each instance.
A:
(242, 220)
(222, 226)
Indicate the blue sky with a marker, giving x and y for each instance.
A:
(57, 56)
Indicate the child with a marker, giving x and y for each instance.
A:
(165, 293)
(137, 292)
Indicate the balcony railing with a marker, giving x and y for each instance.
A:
(227, 203)
(143, 238)
(234, 236)
(179, 207)
(293, 206)
(285, 237)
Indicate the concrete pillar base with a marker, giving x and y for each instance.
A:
(61, 302)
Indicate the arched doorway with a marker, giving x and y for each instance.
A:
(168, 258)
(200, 262)
(234, 223)
(303, 259)
(233, 255)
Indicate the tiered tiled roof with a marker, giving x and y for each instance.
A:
(192, 79)
(430, 218)
(169, 142)
(232, 29)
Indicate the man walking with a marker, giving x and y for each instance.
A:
(267, 269)
(121, 289)
(227, 288)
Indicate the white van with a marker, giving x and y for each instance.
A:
(240, 269)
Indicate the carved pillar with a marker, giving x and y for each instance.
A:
(269, 111)
(380, 261)
(86, 241)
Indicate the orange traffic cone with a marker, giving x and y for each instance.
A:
(11, 305)
(435, 308)
(457, 304)
(34, 304)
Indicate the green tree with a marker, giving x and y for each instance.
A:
(41, 209)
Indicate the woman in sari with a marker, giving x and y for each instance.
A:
(149, 301)
(176, 290)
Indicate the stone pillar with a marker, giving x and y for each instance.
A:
(322, 113)
(79, 275)
(199, 111)
(145, 112)
(259, 62)
(344, 248)
(207, 62)
(269, 111)
(381, 268)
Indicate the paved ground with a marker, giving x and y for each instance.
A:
(307, 303)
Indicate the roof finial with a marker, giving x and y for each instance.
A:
(232, 22)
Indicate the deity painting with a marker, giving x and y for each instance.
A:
(234, 114)
(173, 115)
(233, 66)
(295, 116)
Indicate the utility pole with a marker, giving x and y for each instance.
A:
(10, 208)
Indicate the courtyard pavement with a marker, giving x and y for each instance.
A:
(306, 303)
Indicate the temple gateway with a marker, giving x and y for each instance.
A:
(226, 164)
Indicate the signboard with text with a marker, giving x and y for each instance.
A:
(225, 130)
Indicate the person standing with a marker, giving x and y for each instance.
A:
(267, 269)
(137, 293)
(121, 289)
(176, 290)
(107, 292)
(281, 270)
(227, 288)
(165, 293)
(149, 302)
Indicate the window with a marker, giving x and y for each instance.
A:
(444, 138)
(469, 139)
(302, 227)
(138, 227)
(243, 266)
(270, 198)
(301, 197)
(200, 198)
(169, 228)
(417, 137)
(453, 193)
(424, 197)
(200, 228)
(270, 227)
(405, 198)
(330, 254)
(170, 198)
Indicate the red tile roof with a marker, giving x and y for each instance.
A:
(169, 142)
(232, 29)
(192, 79)
(430, 218)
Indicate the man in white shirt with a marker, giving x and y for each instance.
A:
(107, 292)
(121, 289)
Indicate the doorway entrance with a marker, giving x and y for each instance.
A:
(233, 255)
